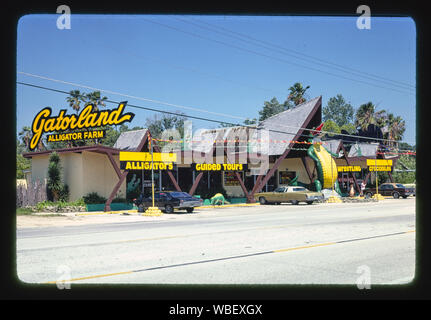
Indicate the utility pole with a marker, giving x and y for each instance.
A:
(153, 210)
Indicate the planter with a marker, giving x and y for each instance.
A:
(115, 206)
(237, 200)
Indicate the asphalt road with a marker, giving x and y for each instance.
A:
(285, 244)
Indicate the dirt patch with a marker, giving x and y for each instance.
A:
(31, 221)
(74, 219)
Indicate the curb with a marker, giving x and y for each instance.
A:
(201, 207)
(230, 205)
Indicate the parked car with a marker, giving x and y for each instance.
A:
(395, 190)
(411, 185)
(167, 201)
(292, 194)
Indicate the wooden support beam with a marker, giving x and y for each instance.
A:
(121, 175)
(195, 184)
(114, 164)
(250, 196)
(286, 152)
(272, 170)
(115, 190)
(244, 189)
(367, 177)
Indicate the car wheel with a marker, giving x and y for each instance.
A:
(309, 202)
(262, 200)
(368, 195)
(169, 208)
(141, 208)
(189, 210)
(405, 197)
(396, 195)
(294, 202)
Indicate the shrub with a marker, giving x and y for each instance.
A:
(63, 194)
(54, 185)
(94, 198)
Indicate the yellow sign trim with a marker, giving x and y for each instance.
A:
(146, 156)
(379, 162)
(348, 168)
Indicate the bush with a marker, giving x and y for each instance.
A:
(63, 194)
(54, 185)
(60, 206)
(119, 200)
(206, 193)
(94, 198)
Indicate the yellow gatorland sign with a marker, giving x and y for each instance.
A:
(87, 118)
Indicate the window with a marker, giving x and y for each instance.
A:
(299, 189)
(284, 177)
(179, 194)
(279, 189)
(399, 185)
(230, 178)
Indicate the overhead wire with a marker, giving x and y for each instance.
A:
(128, 95)
(200, 110)
(212, 120)
(276, 58)
(296, 54)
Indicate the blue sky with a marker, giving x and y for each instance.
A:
(202, 62)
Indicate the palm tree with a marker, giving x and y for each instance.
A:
(365, 115)
(96, 100)
(396, 128)
(75, 97)
(297, 92)
(25, 135)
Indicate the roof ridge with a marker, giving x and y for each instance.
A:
(290, 109)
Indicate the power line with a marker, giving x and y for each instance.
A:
(213, 120)
(129, 96)
(276, 58)
(298, 55)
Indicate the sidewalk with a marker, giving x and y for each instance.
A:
(136, 211)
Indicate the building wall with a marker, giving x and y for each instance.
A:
(295, 164)
(39, 167)
(83, 172)
(99, 175)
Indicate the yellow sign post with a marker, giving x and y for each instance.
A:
(153, 210)
(148, 161)
(379, 165)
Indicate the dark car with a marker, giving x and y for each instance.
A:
(167, 201)
(395, 190)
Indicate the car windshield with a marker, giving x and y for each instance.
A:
(399, 185)
(299, 189)
(179, 194)
(279, 189)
